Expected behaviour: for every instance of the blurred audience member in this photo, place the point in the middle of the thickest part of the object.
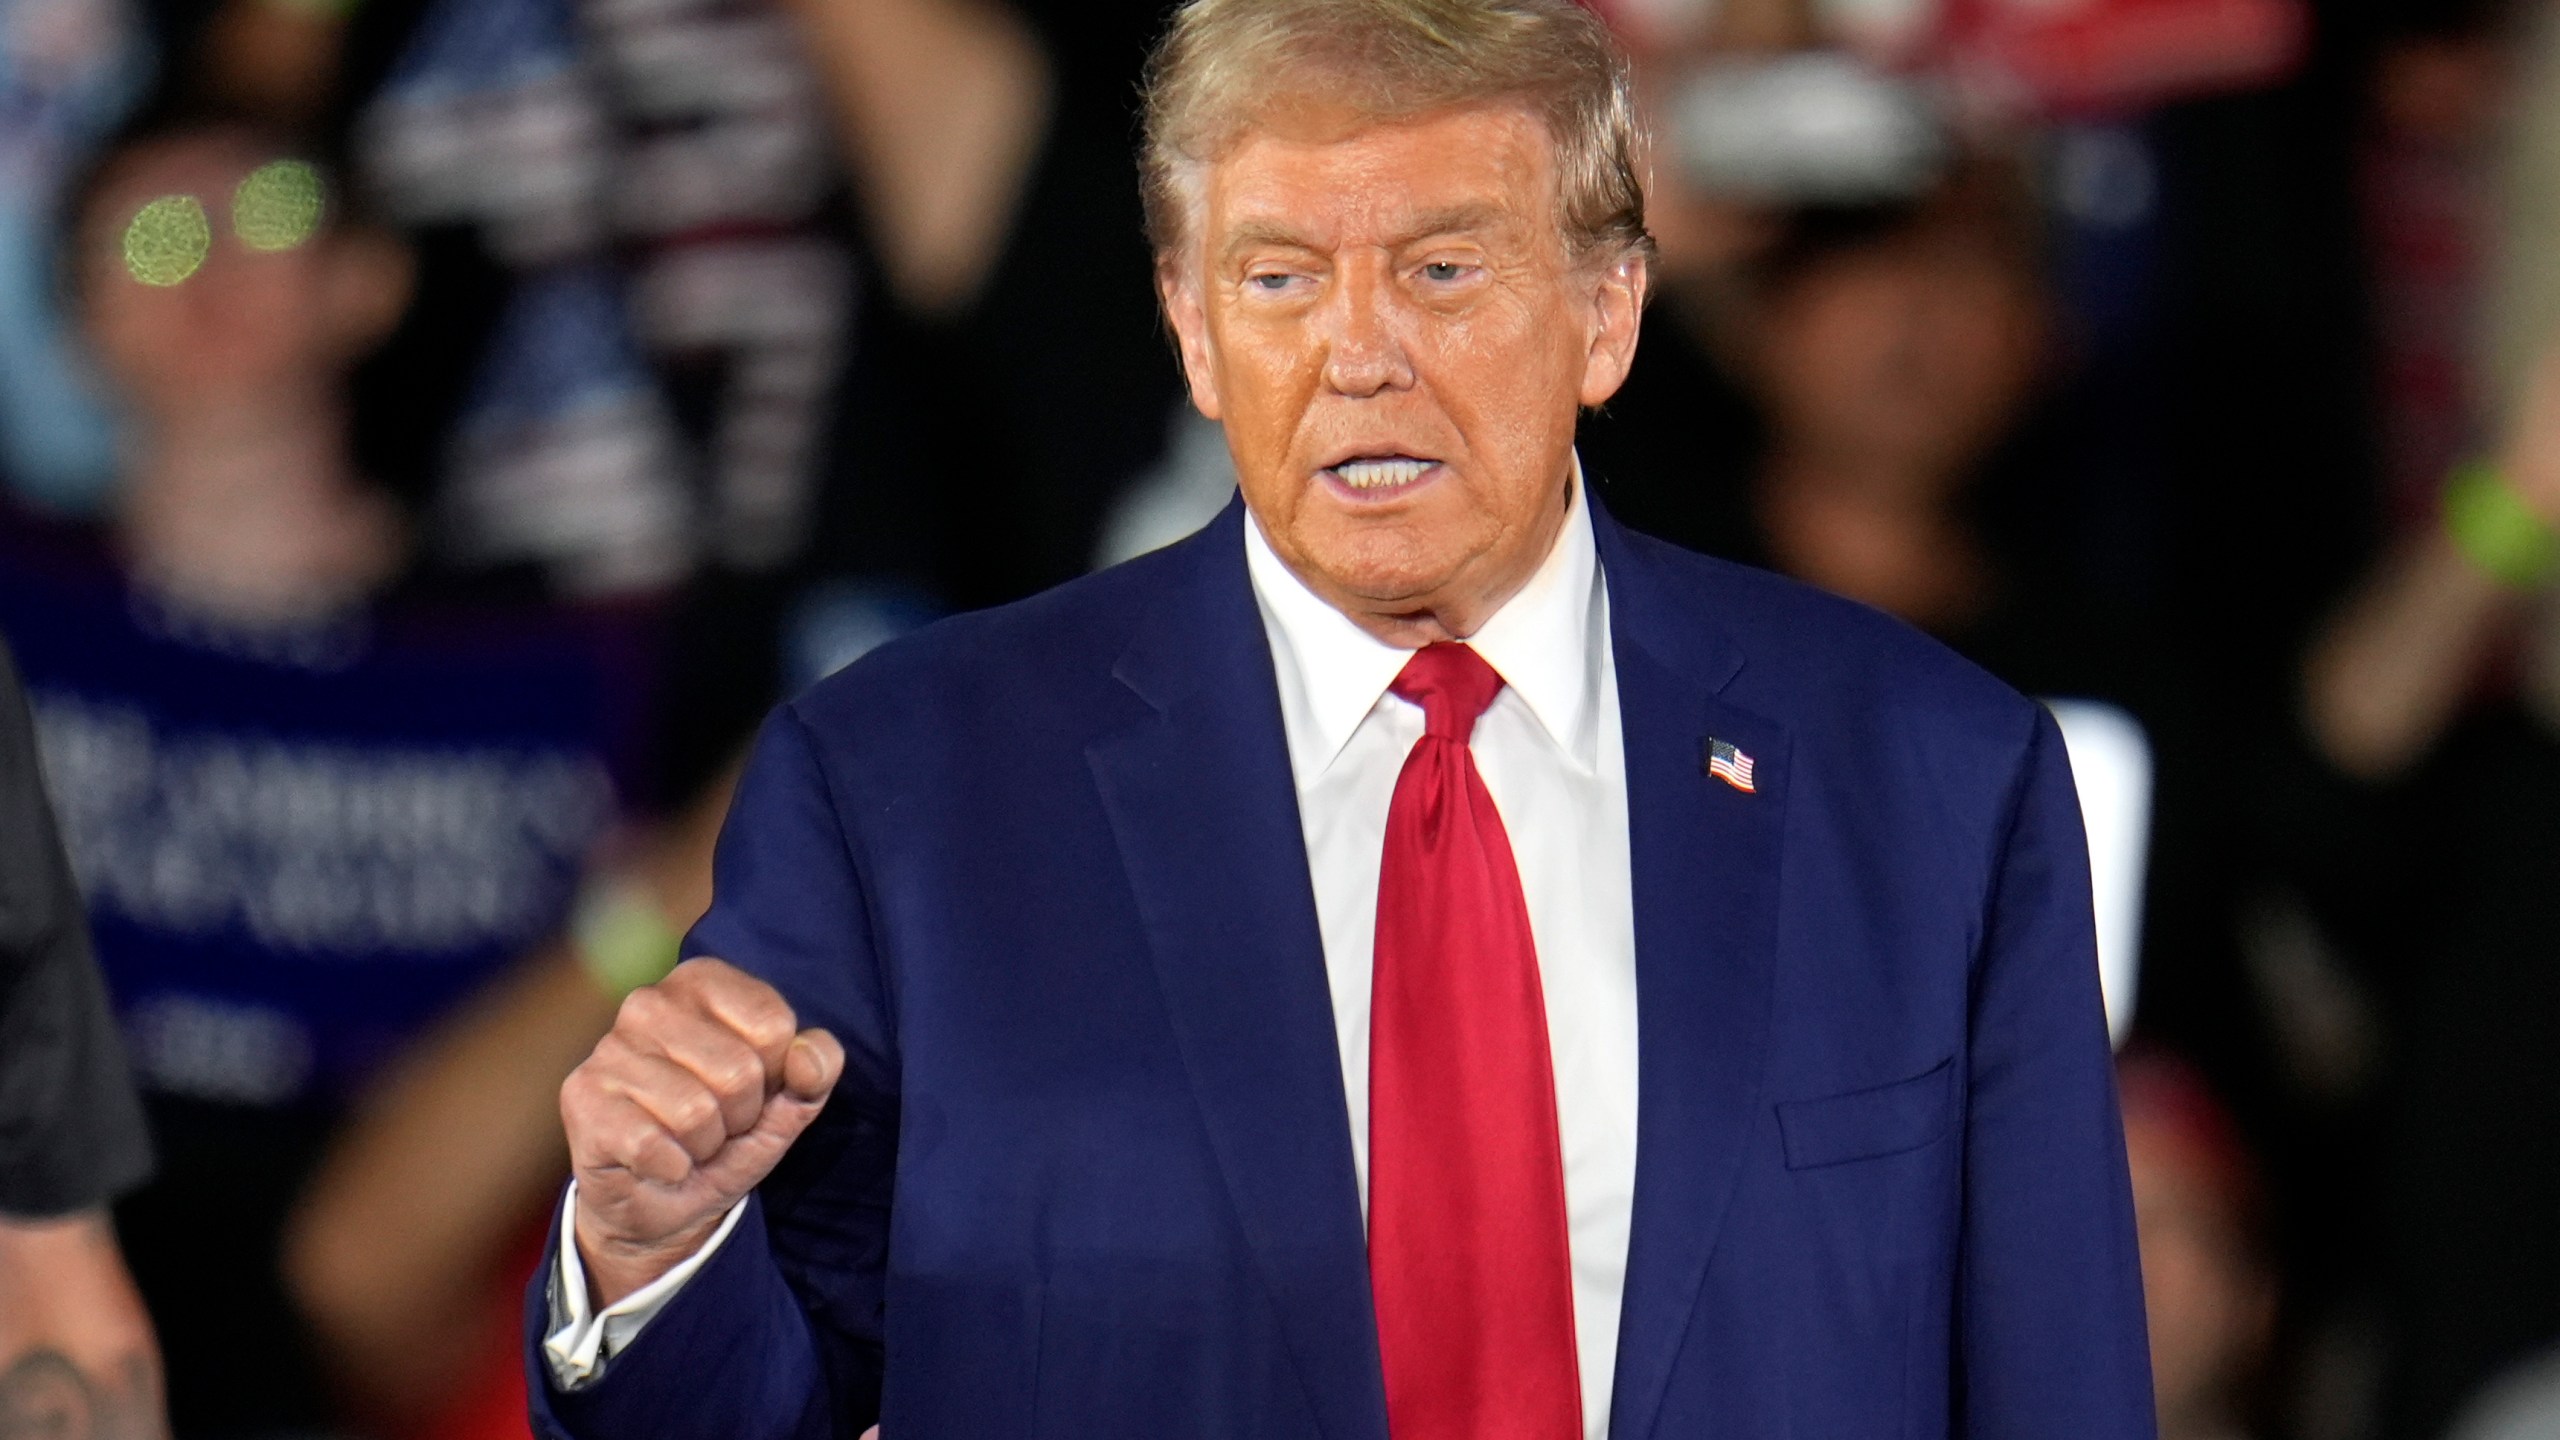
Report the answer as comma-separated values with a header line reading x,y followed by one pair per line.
x,y
639,321
2435,695
759,303
2206,1274
1022,382
68,69
318,799
1860,407
77,1360
2425,633
942,110
1892,359
626,205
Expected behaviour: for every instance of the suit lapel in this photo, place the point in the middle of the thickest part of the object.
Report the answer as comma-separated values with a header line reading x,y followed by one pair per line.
x,y
1205,812
1705,857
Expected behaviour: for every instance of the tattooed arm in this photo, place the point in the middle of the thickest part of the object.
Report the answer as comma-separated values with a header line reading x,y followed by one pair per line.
x,y
77,1358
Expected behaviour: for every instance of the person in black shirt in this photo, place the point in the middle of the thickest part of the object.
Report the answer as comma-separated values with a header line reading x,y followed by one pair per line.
x,y
77,1357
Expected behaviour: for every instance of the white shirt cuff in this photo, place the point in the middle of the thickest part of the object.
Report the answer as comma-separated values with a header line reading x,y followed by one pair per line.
x,y
581,1342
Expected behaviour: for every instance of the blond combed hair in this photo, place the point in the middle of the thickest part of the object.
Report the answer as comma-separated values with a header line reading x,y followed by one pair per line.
x,y
1221,61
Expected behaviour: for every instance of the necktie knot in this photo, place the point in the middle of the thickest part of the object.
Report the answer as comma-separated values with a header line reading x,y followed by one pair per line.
x,y
1452,684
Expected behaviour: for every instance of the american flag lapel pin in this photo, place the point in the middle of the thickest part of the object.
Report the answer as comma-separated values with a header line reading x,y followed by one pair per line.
x,y
1731,764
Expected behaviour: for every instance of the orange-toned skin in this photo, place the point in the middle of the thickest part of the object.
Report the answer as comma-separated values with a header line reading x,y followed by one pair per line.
x,y
1351,288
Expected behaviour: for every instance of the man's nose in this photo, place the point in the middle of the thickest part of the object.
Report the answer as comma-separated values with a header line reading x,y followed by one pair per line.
x,y
1365,354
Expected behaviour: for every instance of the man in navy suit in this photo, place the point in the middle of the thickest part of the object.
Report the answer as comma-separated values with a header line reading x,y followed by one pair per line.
x,y
1413,960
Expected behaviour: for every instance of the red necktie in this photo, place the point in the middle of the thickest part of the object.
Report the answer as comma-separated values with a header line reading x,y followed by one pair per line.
x,y
1467,1241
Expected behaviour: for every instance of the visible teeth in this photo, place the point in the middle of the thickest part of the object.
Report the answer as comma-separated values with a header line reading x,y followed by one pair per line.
x,y
1380,474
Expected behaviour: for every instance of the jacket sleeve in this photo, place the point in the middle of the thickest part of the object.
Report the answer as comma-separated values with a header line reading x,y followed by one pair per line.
x,y
71,1128
2051,1331
778,1336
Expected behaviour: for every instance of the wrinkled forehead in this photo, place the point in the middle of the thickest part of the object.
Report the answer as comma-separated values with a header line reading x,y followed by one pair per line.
x,y
1324,173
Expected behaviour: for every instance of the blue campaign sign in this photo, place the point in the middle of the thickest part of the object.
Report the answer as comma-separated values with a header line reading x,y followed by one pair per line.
x,y
300,847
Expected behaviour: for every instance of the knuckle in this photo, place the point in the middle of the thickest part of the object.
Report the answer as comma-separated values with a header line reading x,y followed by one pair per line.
x,y
702,972
646,1146
643,1010
614,1140
764,1009
578,1095
589,1090
773,1032
750,1006
622,1126
674,1155
662,1160
694,1110
778,1011
739,1074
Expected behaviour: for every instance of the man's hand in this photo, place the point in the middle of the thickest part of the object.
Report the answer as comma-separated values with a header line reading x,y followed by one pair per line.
x,y
690,1101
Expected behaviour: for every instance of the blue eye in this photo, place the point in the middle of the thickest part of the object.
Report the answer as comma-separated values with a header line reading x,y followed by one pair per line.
x,y
1267,282
1443,270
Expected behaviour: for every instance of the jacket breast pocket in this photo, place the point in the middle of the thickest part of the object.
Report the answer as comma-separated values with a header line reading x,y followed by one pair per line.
x,y
1868,1124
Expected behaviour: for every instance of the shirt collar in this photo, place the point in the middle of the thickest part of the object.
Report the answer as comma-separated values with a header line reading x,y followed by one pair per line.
x,y
1545,642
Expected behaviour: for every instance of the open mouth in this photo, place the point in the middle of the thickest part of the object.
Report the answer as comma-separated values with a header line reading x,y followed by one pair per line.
x,y
1372,475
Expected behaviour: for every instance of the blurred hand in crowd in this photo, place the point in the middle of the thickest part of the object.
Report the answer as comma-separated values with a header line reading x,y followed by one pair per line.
x,y
77,1359
2397,666
697,1093
942,106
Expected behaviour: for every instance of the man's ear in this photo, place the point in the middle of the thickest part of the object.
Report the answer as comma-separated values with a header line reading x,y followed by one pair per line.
x,y
1617,314
1188,314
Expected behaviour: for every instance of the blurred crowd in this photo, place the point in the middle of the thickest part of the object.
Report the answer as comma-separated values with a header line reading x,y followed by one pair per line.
x,y
432,432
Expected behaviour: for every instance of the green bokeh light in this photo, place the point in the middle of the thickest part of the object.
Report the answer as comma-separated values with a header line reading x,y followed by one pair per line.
x,y
168,240
278,206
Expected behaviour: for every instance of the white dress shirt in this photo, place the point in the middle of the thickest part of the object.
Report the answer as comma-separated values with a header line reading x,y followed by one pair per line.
x,y
1553,757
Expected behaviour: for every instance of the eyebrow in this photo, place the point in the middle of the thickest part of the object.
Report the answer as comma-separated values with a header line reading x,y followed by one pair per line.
x,y
1450,220
1255,234
1455,219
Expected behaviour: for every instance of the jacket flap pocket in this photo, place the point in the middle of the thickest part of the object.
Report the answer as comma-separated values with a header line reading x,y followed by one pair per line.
x,y
1864,1124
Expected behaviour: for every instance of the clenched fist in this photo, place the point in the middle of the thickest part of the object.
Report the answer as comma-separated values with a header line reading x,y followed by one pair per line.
x,y
703,1083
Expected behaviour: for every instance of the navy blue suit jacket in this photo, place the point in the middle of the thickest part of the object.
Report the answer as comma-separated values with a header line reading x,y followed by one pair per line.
x,y
1088,1173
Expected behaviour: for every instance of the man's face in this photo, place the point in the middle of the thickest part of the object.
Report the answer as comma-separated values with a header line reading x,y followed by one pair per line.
x,y
1384,317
